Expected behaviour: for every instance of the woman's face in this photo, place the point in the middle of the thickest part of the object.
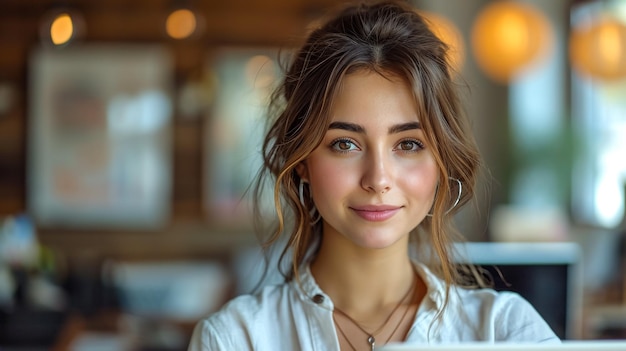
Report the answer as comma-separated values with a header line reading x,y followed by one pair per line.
x,y
373,177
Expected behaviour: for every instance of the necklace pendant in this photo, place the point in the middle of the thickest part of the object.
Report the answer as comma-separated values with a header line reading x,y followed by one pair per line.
x,y
371,340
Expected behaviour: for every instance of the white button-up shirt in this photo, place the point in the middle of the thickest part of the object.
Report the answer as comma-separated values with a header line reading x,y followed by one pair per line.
x,y
299,317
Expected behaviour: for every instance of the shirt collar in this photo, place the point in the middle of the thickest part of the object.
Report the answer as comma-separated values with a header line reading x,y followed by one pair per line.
x,y
310,291
436,288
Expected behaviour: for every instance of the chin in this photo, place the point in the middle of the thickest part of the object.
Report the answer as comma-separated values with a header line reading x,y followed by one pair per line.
x,y
379,241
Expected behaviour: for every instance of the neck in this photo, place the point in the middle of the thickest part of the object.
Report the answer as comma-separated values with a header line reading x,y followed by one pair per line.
x,y
363,281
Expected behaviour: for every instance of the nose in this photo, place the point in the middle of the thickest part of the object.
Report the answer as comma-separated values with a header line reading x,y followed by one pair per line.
x,y
377,175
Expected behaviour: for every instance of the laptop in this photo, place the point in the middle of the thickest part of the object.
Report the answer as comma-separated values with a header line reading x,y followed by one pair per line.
x,y
570,345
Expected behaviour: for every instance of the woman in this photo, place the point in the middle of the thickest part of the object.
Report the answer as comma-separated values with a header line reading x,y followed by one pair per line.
x,y
369,148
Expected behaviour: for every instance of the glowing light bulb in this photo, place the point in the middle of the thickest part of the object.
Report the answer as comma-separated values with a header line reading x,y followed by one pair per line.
x,y
598,49
180,24
62,29
508,37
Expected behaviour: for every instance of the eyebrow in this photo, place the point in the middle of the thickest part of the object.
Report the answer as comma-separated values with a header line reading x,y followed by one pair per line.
x,y
398,128
352,127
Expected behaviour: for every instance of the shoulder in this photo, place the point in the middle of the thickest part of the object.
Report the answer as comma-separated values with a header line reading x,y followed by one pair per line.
x,y
506,315
234,325
488,297
251,305
489,302
481,314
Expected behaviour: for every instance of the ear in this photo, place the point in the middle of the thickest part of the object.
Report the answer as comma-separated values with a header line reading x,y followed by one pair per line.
x,y
303,171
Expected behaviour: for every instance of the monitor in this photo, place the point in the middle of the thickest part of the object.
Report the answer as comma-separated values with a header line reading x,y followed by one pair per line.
x,y
548,275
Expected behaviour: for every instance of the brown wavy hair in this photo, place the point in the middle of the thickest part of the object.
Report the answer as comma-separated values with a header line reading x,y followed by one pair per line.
x,y
392,39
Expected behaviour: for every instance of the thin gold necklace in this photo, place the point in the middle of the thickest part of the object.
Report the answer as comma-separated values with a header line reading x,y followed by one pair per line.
x,y
344,335
372,346
370,336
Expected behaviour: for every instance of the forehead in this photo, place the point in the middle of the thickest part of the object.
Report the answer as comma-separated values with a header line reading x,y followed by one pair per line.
x,y
372,96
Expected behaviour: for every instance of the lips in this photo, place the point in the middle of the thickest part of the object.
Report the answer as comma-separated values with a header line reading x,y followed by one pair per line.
x,y
376,213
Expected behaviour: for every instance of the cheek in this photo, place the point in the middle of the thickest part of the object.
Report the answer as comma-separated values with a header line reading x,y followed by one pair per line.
x,y
330,177
421,179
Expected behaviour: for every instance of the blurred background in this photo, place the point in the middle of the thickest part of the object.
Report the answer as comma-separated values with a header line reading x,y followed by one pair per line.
x,y
129,132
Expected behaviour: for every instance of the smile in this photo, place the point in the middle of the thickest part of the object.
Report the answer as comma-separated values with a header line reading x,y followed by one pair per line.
x,y
376,213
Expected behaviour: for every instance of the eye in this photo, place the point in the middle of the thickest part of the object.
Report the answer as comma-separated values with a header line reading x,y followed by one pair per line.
x,y
343,145
410,145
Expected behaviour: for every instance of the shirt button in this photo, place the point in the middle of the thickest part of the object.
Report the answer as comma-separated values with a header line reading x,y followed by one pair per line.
x,y
318,299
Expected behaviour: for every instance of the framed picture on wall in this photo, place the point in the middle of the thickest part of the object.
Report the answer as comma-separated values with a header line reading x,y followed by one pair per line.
x,y
99,137
244,80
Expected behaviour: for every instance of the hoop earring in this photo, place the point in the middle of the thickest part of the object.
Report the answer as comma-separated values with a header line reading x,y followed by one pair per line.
x,y
313,213
458,197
